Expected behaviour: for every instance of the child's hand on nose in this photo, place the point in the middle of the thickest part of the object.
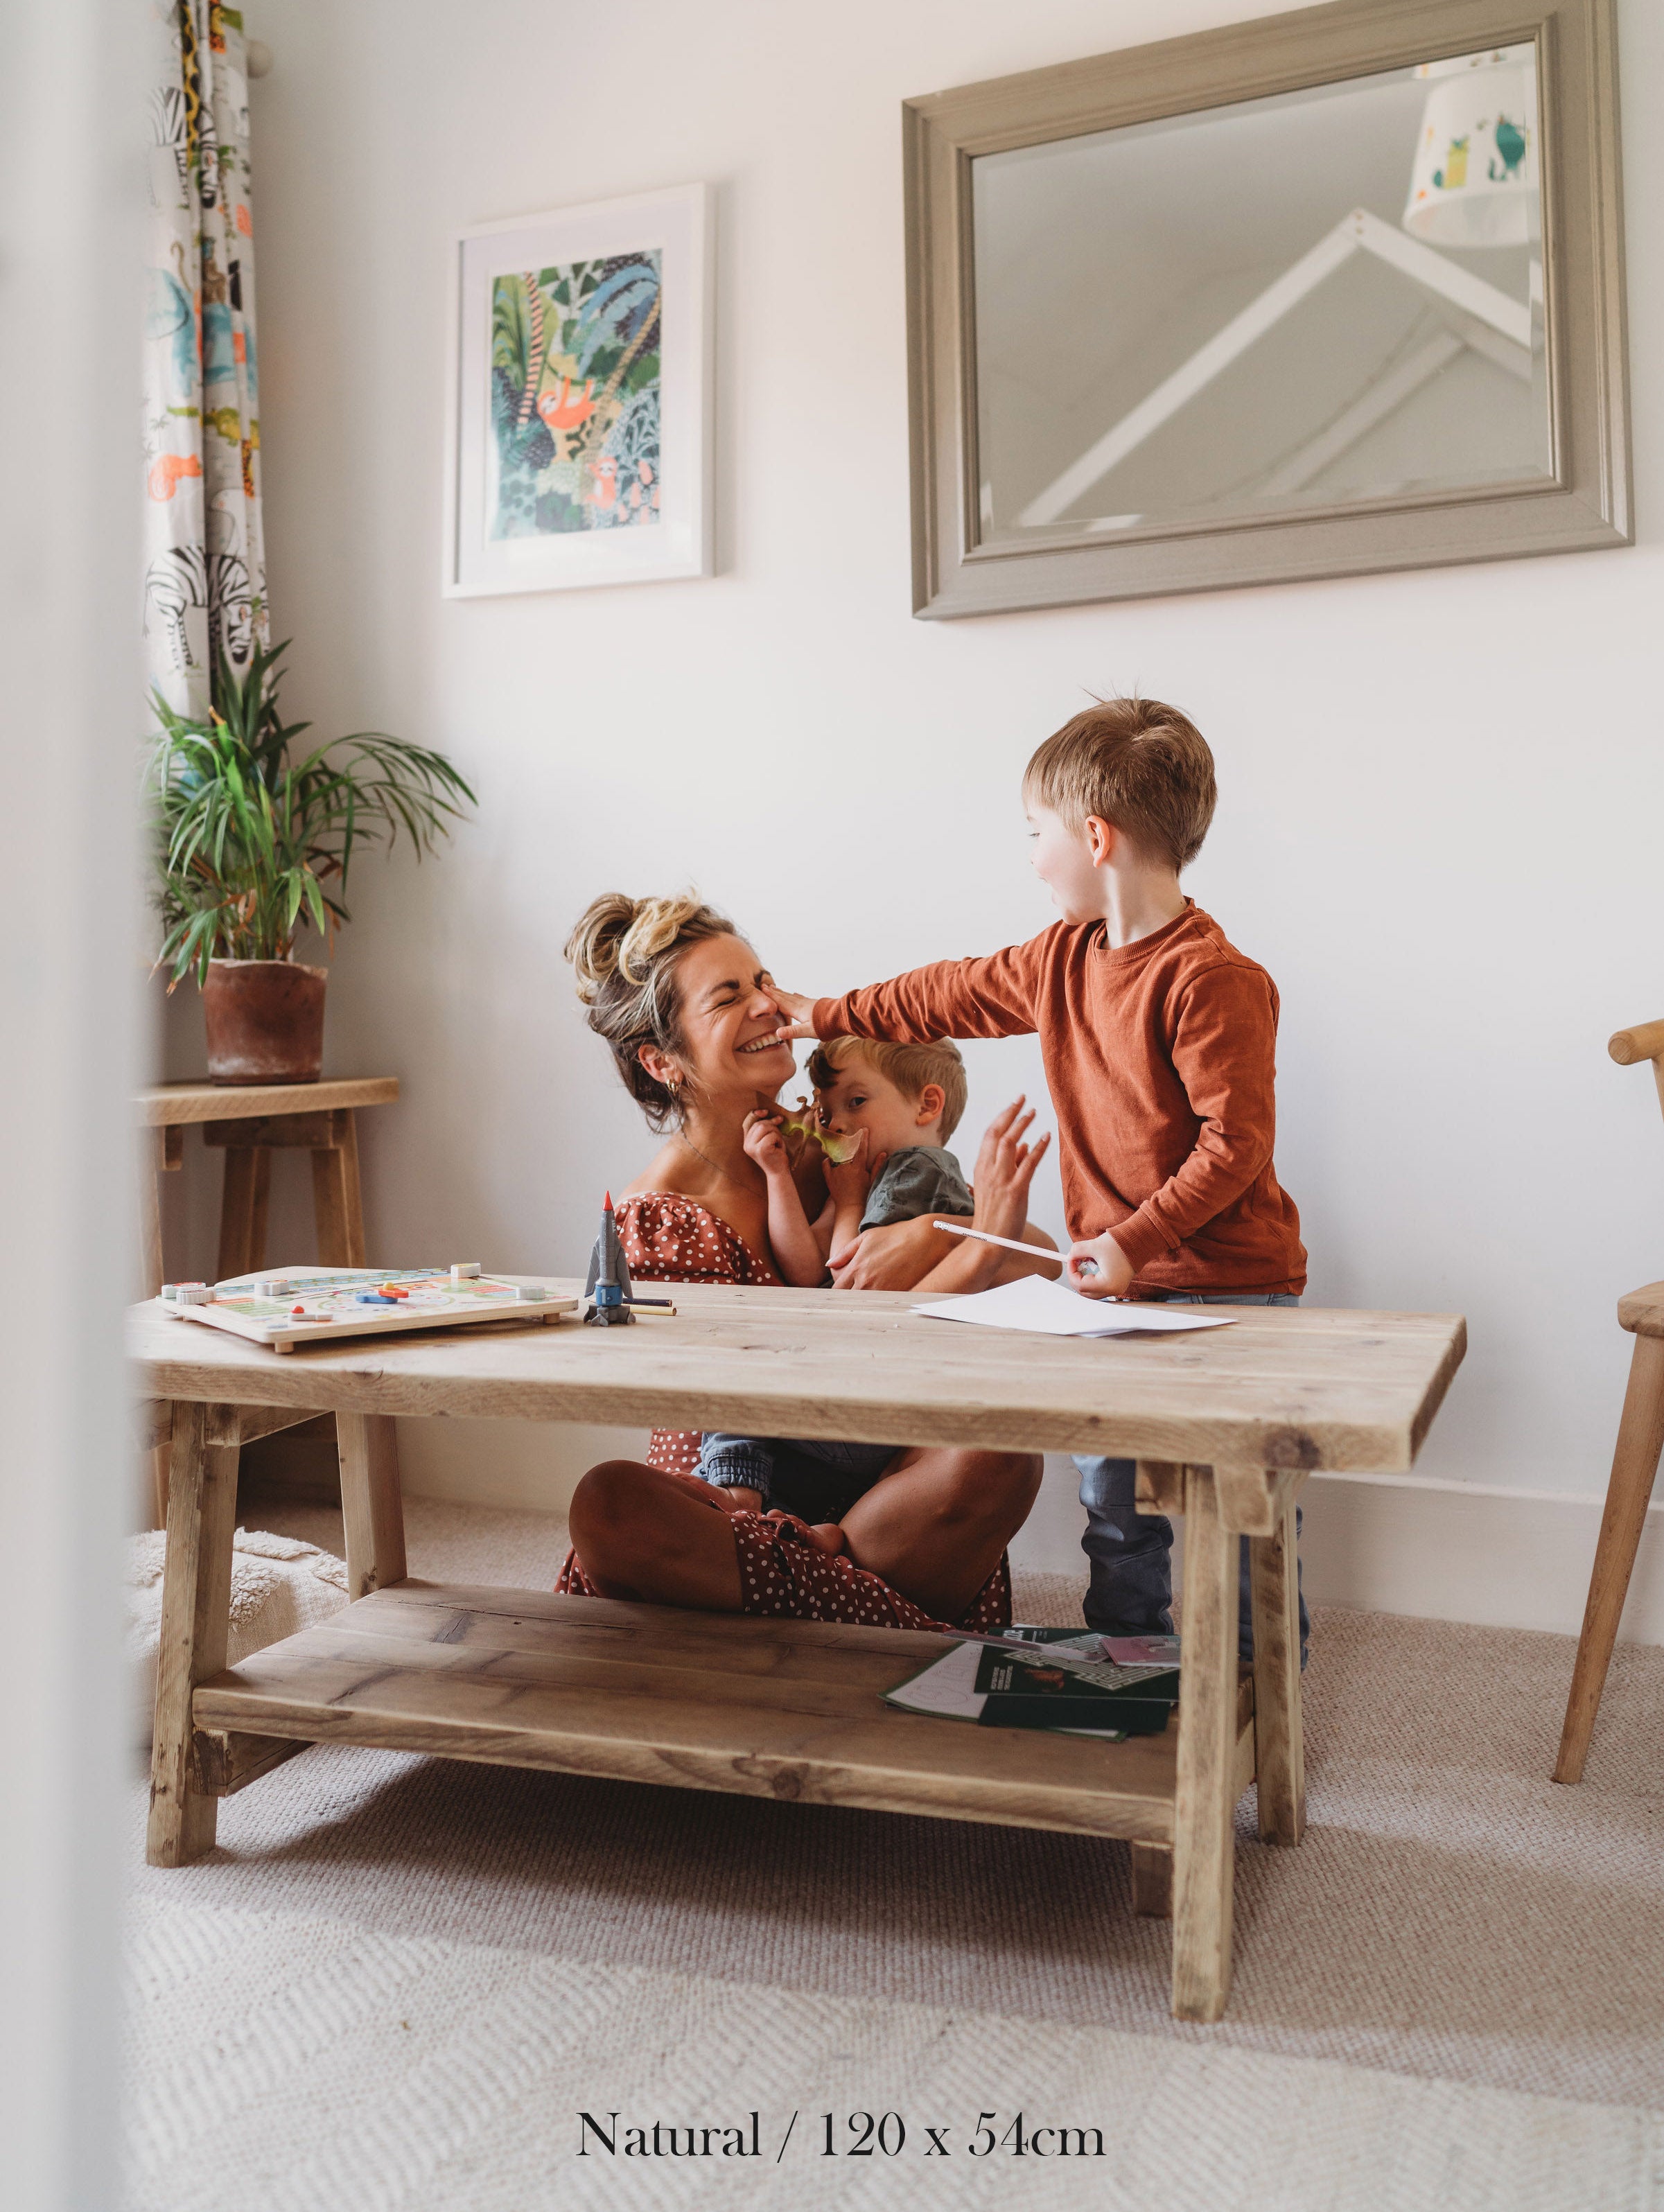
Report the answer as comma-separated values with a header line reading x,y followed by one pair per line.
x,y
798,1014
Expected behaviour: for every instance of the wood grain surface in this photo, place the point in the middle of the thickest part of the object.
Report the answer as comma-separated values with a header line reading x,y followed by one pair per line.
x,y
1208,1776
785,1709
1629,1493
195,1621
1281,1389
166,1104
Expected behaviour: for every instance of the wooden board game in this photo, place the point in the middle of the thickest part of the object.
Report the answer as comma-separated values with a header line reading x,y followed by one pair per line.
x,y
282,1307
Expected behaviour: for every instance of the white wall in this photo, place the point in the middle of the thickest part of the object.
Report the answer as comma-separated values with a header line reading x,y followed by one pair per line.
x,y
1441,791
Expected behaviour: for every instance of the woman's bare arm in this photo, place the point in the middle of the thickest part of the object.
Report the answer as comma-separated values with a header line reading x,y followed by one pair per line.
x,y
796,1249
913,1256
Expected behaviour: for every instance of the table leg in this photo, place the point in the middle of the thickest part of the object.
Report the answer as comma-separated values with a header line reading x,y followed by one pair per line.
x,y
338,1200
372,1505
243,1209
195,1620
1152,1880
1204,1831
1634,1467
1278,1733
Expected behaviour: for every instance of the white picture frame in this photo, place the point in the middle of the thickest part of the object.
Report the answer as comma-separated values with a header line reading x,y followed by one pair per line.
x,y
565,488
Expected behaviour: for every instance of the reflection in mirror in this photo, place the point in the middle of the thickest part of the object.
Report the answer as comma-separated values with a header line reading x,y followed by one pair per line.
x,y
1309,302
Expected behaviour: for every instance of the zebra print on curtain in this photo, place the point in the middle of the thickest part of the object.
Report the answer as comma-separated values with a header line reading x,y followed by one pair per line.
x,y
205,555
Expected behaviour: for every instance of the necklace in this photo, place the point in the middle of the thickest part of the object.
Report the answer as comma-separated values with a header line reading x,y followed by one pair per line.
x,y
724,1172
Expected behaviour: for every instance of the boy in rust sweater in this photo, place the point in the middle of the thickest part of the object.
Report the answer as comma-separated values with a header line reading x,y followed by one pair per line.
x,y
1159,1040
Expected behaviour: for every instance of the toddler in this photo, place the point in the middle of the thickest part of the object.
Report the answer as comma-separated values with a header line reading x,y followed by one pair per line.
x,y
887,1110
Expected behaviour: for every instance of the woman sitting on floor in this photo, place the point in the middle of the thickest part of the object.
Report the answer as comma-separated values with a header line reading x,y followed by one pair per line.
x,y
686,1007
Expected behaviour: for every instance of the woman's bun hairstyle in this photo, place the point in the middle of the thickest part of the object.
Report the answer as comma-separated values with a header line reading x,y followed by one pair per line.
x,y
624,953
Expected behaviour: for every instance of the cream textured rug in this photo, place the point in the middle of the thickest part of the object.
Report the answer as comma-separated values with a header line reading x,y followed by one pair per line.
x,y
1447,1996
279,1585
288,2066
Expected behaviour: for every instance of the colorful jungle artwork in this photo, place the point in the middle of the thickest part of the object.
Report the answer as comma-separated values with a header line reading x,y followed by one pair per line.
x,y
574,396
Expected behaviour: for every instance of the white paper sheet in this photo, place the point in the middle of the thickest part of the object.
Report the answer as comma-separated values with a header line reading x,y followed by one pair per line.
x,y
1048,1309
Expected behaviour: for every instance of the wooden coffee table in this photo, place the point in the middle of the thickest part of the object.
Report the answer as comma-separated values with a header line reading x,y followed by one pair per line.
x,y
1226,1425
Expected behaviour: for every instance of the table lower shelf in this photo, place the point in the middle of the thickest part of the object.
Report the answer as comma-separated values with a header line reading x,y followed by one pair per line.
x,y
783,1709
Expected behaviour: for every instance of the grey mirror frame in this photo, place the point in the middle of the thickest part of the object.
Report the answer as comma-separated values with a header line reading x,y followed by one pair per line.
x,y
1585,503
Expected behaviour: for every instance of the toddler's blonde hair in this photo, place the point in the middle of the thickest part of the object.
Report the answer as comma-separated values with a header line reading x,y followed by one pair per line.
x,y
908,1067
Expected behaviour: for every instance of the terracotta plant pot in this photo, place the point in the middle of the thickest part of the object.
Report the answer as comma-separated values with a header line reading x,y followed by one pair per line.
x,y
265,1021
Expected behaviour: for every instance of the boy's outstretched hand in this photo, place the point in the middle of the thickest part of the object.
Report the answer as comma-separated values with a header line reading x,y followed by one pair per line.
x,y
1109,1274
798,1010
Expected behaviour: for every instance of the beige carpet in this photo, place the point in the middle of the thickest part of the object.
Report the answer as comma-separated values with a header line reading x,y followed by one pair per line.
x,y
284,2066
1456,1942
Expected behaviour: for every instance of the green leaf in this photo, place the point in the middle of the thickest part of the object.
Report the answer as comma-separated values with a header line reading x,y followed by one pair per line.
x,y
245,829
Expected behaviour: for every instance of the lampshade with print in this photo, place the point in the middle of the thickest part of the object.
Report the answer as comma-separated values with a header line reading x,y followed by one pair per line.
x,y
1475,182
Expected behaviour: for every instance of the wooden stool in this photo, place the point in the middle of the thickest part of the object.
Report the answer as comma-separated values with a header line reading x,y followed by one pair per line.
x,y
1634,1467
250,1121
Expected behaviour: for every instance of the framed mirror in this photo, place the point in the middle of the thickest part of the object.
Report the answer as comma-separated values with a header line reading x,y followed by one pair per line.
x,y
1335,291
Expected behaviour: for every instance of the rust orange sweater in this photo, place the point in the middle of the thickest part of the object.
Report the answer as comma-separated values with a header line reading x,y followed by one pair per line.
x,y
1161,1059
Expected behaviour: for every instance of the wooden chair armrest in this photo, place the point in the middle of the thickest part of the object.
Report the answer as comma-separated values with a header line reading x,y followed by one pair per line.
x,y
1644,1042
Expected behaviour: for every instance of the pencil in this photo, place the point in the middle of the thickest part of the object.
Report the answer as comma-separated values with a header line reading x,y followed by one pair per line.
x,y
1007,1243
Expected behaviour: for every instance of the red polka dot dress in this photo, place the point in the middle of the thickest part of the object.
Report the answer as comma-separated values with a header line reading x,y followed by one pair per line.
x,y
668,1239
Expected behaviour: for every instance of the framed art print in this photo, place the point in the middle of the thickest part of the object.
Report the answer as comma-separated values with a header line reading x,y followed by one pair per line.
x,y
580,410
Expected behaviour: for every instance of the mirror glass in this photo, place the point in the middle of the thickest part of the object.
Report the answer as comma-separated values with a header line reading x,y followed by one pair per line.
x,y
1289,304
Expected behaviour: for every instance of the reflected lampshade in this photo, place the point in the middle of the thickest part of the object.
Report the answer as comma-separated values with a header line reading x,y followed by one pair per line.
x,y
1475,181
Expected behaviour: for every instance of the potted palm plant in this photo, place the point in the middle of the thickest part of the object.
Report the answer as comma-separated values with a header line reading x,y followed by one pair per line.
x,y
252,846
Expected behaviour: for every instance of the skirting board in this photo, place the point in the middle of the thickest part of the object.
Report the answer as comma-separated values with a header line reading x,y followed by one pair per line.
x,y
1437,1551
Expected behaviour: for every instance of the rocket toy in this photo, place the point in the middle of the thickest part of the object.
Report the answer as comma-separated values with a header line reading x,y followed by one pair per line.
x,y
609,1290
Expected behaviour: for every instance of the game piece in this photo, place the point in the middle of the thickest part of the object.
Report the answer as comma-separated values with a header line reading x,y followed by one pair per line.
x,y
463,1270
608,1289
192,1294
308,1304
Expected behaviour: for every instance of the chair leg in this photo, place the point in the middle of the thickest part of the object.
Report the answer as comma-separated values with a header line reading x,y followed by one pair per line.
x,y
1634,1466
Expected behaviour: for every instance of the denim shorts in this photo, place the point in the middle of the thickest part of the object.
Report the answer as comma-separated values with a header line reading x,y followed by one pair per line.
x,y
817,1478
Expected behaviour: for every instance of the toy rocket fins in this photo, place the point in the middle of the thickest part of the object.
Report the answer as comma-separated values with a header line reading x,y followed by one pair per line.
x,y
609,1289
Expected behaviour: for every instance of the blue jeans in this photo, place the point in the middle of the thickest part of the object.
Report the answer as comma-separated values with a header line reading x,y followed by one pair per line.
x,y
1130,1552
817,1480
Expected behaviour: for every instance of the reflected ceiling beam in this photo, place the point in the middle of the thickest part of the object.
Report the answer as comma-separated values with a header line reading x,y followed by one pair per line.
x,y
1490,308
1373,405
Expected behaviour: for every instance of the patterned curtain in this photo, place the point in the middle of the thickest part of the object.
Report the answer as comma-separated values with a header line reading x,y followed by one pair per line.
x,y
205,555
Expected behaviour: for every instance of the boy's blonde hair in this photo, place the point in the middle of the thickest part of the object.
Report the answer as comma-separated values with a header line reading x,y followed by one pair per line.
x,y
1141,765
908,1067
